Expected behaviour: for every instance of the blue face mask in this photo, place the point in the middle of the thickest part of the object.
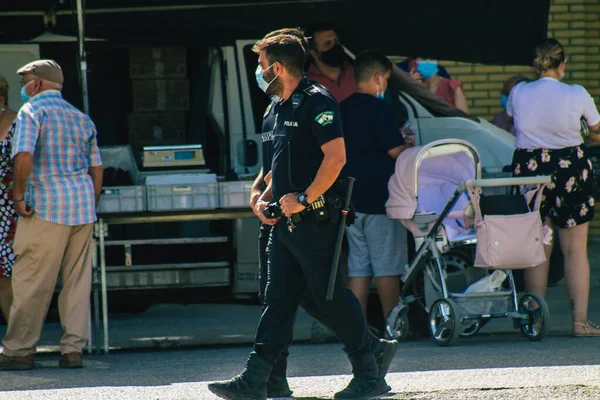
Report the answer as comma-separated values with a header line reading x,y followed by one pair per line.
x,y
260,80
24,96
504,101
427,69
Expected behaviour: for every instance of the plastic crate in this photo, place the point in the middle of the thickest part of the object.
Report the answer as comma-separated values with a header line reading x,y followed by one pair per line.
x,y
177,178
119,199
198,196
235,194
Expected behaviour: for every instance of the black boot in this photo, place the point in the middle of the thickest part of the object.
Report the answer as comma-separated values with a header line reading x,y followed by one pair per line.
x,y
251,384
384,354
366,383
277,385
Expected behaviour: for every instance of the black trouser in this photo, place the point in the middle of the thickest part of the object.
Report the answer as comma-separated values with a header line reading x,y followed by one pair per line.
x,y
280,366
306,301
300,263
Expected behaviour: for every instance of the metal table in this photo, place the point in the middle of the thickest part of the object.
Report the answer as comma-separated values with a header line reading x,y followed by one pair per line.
x,y
101,228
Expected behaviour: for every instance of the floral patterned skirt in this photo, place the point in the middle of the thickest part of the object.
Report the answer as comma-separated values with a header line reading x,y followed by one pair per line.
x,y
568,199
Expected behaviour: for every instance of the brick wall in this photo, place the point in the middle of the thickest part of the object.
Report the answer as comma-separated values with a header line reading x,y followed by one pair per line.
x,y
575,23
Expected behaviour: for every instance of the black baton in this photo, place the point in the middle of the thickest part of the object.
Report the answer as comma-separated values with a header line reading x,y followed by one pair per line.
x,y
340,237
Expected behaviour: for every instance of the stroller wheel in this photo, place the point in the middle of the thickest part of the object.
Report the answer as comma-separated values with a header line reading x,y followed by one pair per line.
x,y
444,322
536,321
396,323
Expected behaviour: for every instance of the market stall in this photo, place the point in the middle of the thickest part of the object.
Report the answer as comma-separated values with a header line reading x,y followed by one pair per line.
x,y
171,102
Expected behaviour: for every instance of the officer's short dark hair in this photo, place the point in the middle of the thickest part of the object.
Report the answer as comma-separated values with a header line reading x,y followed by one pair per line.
x,y
369,62
317,27
297,32
285,49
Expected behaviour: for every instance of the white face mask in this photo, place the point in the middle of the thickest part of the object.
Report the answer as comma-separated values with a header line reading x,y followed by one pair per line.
x,y
260,80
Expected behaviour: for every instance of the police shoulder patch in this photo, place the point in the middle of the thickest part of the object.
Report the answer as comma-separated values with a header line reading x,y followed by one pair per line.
x,y
267,110
325,118
313,89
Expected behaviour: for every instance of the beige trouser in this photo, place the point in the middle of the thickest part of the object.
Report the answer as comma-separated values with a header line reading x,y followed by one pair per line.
x,y
44,250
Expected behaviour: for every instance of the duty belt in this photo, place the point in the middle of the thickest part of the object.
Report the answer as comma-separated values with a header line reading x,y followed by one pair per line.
x,y
317,204
322,209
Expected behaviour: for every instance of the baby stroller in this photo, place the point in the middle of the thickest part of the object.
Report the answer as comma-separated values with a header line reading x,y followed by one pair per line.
x,y
428,195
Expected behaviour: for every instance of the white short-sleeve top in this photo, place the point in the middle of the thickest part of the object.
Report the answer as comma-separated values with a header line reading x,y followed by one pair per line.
x,y
547,113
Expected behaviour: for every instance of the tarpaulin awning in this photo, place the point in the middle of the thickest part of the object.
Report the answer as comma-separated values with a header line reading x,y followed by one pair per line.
x,y
483,31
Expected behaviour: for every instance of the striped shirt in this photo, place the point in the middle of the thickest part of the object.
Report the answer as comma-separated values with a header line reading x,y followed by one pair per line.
x,y
63,143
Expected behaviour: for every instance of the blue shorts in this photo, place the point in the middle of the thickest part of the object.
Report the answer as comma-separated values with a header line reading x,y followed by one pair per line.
x,y
377,246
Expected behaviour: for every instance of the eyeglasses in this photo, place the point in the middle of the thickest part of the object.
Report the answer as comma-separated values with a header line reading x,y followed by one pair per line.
x,y
24,82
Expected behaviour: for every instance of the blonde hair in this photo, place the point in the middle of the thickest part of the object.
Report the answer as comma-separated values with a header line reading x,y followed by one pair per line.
x,y
4,90
549,54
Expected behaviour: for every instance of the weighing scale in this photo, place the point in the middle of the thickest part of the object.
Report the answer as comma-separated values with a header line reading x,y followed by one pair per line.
x,y
173,156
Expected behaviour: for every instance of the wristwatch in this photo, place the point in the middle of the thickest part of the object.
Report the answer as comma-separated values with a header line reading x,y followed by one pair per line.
x,y
303,199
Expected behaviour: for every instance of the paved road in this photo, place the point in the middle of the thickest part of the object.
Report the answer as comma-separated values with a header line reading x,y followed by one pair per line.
x,y
498,366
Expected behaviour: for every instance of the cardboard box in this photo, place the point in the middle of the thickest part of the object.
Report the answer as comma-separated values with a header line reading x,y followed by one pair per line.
x,y
157,63
153,129
161,95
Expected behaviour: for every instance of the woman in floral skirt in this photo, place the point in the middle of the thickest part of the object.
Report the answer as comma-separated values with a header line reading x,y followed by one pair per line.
x,y
7,212
547,116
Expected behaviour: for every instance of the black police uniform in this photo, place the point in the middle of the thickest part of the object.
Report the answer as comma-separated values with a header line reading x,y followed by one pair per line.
x,y
268,126
279,371
300,260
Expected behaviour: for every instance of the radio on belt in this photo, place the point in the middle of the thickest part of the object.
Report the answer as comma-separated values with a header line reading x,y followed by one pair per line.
x,y
171,156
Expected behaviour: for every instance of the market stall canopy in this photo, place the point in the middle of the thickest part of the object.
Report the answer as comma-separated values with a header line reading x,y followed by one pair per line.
x,y
484,31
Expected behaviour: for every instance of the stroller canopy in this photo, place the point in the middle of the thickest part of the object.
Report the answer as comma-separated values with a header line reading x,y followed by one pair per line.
x,y
439,165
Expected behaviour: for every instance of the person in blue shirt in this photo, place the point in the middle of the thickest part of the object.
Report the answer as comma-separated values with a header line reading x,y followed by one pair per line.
x,y
377,245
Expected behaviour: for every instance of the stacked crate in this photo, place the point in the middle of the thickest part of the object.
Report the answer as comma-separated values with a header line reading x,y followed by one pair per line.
x,y
161,96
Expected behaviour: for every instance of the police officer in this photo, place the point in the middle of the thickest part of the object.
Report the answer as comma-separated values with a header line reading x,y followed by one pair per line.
x,y
308,157
277,385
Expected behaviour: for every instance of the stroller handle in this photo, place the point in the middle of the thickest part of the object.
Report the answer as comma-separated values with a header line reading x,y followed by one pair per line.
x,y
530,180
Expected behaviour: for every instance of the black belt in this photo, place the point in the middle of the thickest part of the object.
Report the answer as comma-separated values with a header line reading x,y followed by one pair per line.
x,y
322,208
315,205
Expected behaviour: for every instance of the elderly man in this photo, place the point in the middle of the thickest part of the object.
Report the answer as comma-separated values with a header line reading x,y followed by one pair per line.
x,y
57,183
